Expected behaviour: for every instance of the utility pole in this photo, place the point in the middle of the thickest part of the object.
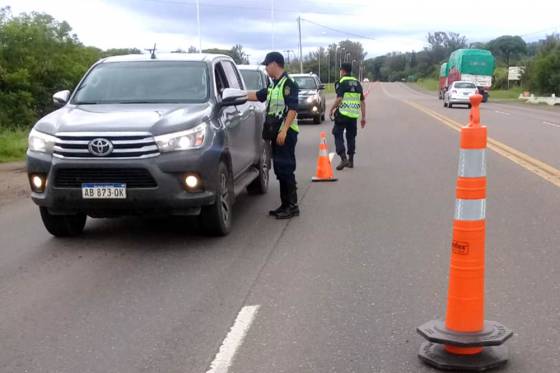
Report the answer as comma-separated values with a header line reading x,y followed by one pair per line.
x,y
300,49
272,18
198,25
288,53
329,66
319,64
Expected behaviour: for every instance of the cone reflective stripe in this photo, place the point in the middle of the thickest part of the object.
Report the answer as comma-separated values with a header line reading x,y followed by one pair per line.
x,y
324,168
472,163
465,341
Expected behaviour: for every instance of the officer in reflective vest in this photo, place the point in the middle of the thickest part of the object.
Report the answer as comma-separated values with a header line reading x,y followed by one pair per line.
x,y
282,100
346,110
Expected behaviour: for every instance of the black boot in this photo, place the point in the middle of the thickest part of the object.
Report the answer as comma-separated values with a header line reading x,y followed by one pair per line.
x,y
283,199
350,160
343,162
292,209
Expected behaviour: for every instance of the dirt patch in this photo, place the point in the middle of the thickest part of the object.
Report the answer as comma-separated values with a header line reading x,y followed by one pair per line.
x,y
13,182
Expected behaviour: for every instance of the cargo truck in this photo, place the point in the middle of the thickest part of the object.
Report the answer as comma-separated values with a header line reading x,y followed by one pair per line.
x,y
472,65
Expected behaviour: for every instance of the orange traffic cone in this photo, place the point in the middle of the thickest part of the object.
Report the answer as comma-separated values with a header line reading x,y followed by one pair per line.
x,y
465,341
324,168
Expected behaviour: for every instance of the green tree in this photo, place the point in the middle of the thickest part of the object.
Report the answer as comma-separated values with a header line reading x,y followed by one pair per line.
x,y
508,48
38,56
543,72
236,52
120,52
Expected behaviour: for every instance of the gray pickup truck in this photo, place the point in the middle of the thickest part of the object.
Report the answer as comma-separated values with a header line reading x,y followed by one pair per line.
x,y
148,135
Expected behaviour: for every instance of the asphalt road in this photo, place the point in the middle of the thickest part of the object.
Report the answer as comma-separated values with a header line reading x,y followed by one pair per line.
x,y
342,288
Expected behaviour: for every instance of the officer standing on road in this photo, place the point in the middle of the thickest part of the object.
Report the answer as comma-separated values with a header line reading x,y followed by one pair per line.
x,y
281,129
346,110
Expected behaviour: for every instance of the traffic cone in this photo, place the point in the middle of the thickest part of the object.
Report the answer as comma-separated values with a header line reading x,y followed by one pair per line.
x,y
324,168
465,341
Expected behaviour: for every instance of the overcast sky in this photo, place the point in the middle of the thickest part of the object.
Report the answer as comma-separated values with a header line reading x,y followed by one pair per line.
x,y
385,26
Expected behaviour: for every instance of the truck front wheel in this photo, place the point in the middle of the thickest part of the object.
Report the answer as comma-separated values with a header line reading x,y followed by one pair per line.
x,y
216,218
63,225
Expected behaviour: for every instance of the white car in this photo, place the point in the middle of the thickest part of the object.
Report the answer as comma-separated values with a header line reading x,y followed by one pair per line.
x,y
459,93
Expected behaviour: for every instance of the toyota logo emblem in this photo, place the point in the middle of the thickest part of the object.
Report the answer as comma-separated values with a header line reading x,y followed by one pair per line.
x,y
100,147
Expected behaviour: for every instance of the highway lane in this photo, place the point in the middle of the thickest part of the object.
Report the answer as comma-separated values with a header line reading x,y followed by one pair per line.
x,y
533,131
339,289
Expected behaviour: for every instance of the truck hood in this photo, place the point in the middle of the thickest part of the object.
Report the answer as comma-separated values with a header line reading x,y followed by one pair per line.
x,y
154,118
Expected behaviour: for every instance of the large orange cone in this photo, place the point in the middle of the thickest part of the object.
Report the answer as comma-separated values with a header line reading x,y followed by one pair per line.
x,y
324,167
465,341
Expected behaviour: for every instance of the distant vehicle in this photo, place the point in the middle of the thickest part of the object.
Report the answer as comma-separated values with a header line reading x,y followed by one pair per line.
x,y
312,102
165,135
472,65
255,76
459,93
442,80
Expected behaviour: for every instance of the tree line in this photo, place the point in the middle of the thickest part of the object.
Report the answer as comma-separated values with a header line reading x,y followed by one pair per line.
x,y
40,56
541,60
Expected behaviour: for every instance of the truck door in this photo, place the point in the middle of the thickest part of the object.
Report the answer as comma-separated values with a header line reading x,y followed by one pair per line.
x,y
238,121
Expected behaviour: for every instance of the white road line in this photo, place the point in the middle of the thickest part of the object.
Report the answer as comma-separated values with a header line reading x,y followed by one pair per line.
x,y
551,124
502,112
224,358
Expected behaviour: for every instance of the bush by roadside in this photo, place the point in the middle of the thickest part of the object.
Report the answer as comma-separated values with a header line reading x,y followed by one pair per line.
x,y
13,144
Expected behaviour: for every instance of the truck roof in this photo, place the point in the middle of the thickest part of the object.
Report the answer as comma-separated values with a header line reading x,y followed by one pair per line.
x,y
472,61
191,57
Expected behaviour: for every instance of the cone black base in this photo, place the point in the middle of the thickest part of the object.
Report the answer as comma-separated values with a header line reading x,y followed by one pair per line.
x,y
493,334
317,180
435,355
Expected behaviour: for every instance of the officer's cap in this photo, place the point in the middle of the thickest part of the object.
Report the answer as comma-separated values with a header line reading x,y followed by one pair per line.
x,y
274,57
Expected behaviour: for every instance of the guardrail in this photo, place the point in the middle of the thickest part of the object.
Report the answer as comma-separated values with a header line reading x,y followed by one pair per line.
x,y
552,100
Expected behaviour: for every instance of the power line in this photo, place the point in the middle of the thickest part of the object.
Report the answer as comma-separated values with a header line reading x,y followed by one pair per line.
x,y
339,31
245,7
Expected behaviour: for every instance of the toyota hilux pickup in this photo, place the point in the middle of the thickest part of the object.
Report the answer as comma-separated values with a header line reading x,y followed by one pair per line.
x,y
148,135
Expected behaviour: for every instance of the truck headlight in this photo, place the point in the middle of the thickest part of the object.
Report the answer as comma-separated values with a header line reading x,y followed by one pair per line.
x,y
184,140
312,99
41,142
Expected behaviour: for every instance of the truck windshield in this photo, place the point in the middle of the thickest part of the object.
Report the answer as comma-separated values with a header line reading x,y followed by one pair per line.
x,y
252,79
144,82
305,82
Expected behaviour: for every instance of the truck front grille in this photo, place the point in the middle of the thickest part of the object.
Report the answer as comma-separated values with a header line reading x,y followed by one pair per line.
x,y
125,145
75,177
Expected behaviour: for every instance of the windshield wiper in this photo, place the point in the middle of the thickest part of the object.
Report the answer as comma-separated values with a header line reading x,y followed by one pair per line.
x,y
86,103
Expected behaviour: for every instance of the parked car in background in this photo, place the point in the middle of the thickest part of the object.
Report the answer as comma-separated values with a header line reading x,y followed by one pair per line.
x,y
163,135
312,102
459,93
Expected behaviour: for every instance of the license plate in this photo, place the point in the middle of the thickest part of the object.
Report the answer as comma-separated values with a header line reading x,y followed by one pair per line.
x,y
466,93
104,191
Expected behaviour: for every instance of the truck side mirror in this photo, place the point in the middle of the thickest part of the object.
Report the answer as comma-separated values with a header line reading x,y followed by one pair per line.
x,y
233,97
61,98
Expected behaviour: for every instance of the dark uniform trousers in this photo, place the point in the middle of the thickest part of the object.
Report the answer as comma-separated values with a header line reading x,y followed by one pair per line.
x,y
284,162
349,125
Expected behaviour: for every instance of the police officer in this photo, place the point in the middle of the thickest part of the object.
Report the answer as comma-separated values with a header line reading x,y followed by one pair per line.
x,y
346,110
282,99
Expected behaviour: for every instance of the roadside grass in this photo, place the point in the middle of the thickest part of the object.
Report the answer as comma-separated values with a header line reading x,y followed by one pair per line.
x,y
511,94
428,84
13,145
